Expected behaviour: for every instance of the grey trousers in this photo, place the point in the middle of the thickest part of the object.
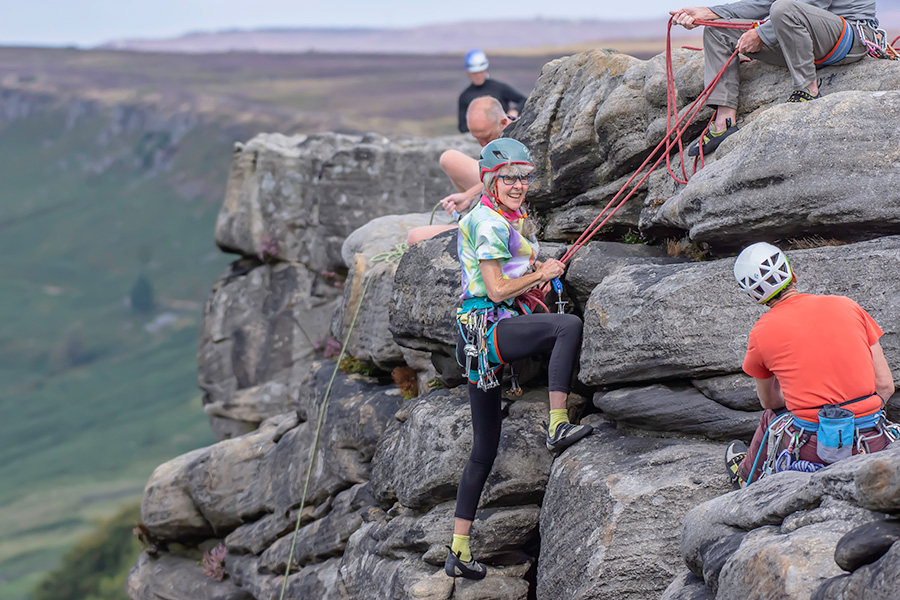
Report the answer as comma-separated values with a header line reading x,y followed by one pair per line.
x,y
805,34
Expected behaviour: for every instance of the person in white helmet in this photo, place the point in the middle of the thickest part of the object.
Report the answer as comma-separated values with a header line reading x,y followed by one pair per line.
x,y
482,85
812,356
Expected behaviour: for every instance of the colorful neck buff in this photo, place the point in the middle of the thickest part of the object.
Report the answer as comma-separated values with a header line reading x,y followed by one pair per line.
x,y
509,216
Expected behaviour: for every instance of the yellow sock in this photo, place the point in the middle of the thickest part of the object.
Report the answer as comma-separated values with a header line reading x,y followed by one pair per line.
x,y
557,416
461,547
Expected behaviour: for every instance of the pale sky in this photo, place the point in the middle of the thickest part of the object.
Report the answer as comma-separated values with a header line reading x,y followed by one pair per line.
x,y
90,22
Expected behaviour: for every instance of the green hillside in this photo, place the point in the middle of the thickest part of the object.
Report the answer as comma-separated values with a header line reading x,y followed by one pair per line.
x,y
94,399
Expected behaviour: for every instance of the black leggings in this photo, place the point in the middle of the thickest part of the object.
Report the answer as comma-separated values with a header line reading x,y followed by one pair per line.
x,y
517,338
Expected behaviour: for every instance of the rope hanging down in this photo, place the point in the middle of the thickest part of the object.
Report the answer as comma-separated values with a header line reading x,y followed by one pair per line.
x,y
674,132
392,255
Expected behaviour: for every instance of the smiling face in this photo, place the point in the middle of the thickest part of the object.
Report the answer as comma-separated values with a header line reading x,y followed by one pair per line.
x,y
511,196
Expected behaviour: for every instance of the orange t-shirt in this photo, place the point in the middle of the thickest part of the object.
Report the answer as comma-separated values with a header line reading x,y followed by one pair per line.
x,y
818,348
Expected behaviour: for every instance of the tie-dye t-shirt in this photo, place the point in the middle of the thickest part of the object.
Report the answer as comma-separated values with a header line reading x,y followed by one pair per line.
x,y
485,234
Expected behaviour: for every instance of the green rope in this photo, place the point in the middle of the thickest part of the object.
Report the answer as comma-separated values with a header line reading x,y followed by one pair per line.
x,y
391,256
433,210
321,419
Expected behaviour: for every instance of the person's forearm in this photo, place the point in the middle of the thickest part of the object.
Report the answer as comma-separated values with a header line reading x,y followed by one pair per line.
x,y
474,192
504,289
769,392
884,380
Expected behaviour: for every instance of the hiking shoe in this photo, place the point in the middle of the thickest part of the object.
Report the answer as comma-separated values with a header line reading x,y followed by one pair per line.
x,y
711,140
566,435
803,96
734,454
455,567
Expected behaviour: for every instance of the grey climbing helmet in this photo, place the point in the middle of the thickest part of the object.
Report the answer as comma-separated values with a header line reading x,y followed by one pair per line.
x,y
505,151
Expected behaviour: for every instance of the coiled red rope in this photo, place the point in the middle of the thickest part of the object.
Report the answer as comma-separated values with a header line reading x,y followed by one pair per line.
x,y
675,128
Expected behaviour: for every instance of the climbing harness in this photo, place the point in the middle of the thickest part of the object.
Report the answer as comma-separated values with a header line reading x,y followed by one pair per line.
x,y
784,456
842,47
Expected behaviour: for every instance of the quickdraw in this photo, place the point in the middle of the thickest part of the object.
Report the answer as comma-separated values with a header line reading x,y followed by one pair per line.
x,y
879,47
475,335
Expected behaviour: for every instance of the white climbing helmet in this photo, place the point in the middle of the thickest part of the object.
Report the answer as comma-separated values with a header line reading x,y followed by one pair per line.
x,y
762,270
476,61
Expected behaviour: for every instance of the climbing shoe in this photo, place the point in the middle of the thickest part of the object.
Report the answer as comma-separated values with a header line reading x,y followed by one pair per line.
x,y
803,96
565,435
734,455
455,567
712,139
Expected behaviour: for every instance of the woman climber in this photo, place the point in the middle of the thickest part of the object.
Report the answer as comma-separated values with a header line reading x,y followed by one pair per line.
x,y
497,250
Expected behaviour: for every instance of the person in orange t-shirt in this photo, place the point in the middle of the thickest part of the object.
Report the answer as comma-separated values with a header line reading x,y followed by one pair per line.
x,y
806,352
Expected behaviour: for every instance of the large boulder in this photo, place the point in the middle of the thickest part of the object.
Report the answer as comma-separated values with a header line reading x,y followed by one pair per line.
x,y
167,508
297,198
593,117
371,254
260,329
387,555
358,413
173,576
595,260
612,501
321,580
646,322
679,409
426,294
777,538
841,179
226,487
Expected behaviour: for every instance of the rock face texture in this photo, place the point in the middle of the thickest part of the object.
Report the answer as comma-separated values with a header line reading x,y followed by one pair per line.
x,y
846,189
297,198
777,538
641,508
652,322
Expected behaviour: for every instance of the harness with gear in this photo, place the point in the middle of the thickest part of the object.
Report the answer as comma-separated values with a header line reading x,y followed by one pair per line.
x,y
477,320
787,434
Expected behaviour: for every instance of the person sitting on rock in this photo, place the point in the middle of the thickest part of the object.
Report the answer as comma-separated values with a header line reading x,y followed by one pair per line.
x,y
486,120
511,101
497,251
807,352
798,34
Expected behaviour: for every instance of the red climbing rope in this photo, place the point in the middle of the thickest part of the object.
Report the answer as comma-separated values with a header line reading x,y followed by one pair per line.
x,y
674,133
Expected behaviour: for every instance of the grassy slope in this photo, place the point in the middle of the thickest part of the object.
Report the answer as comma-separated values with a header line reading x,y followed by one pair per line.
x,y
93,402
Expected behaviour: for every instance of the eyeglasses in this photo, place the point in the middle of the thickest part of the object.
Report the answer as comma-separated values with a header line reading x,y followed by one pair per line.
x,y
512,179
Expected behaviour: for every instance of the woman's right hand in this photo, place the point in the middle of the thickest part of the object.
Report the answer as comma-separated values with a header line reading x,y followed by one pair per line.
x,y
551,269
457,202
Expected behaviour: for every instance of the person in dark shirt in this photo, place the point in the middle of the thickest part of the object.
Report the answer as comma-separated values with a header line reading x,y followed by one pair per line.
x,y
483,85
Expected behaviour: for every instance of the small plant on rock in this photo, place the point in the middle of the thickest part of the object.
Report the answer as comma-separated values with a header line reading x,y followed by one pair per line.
x,y
633,237
268,247
350,365
213,563
329,347
407,381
